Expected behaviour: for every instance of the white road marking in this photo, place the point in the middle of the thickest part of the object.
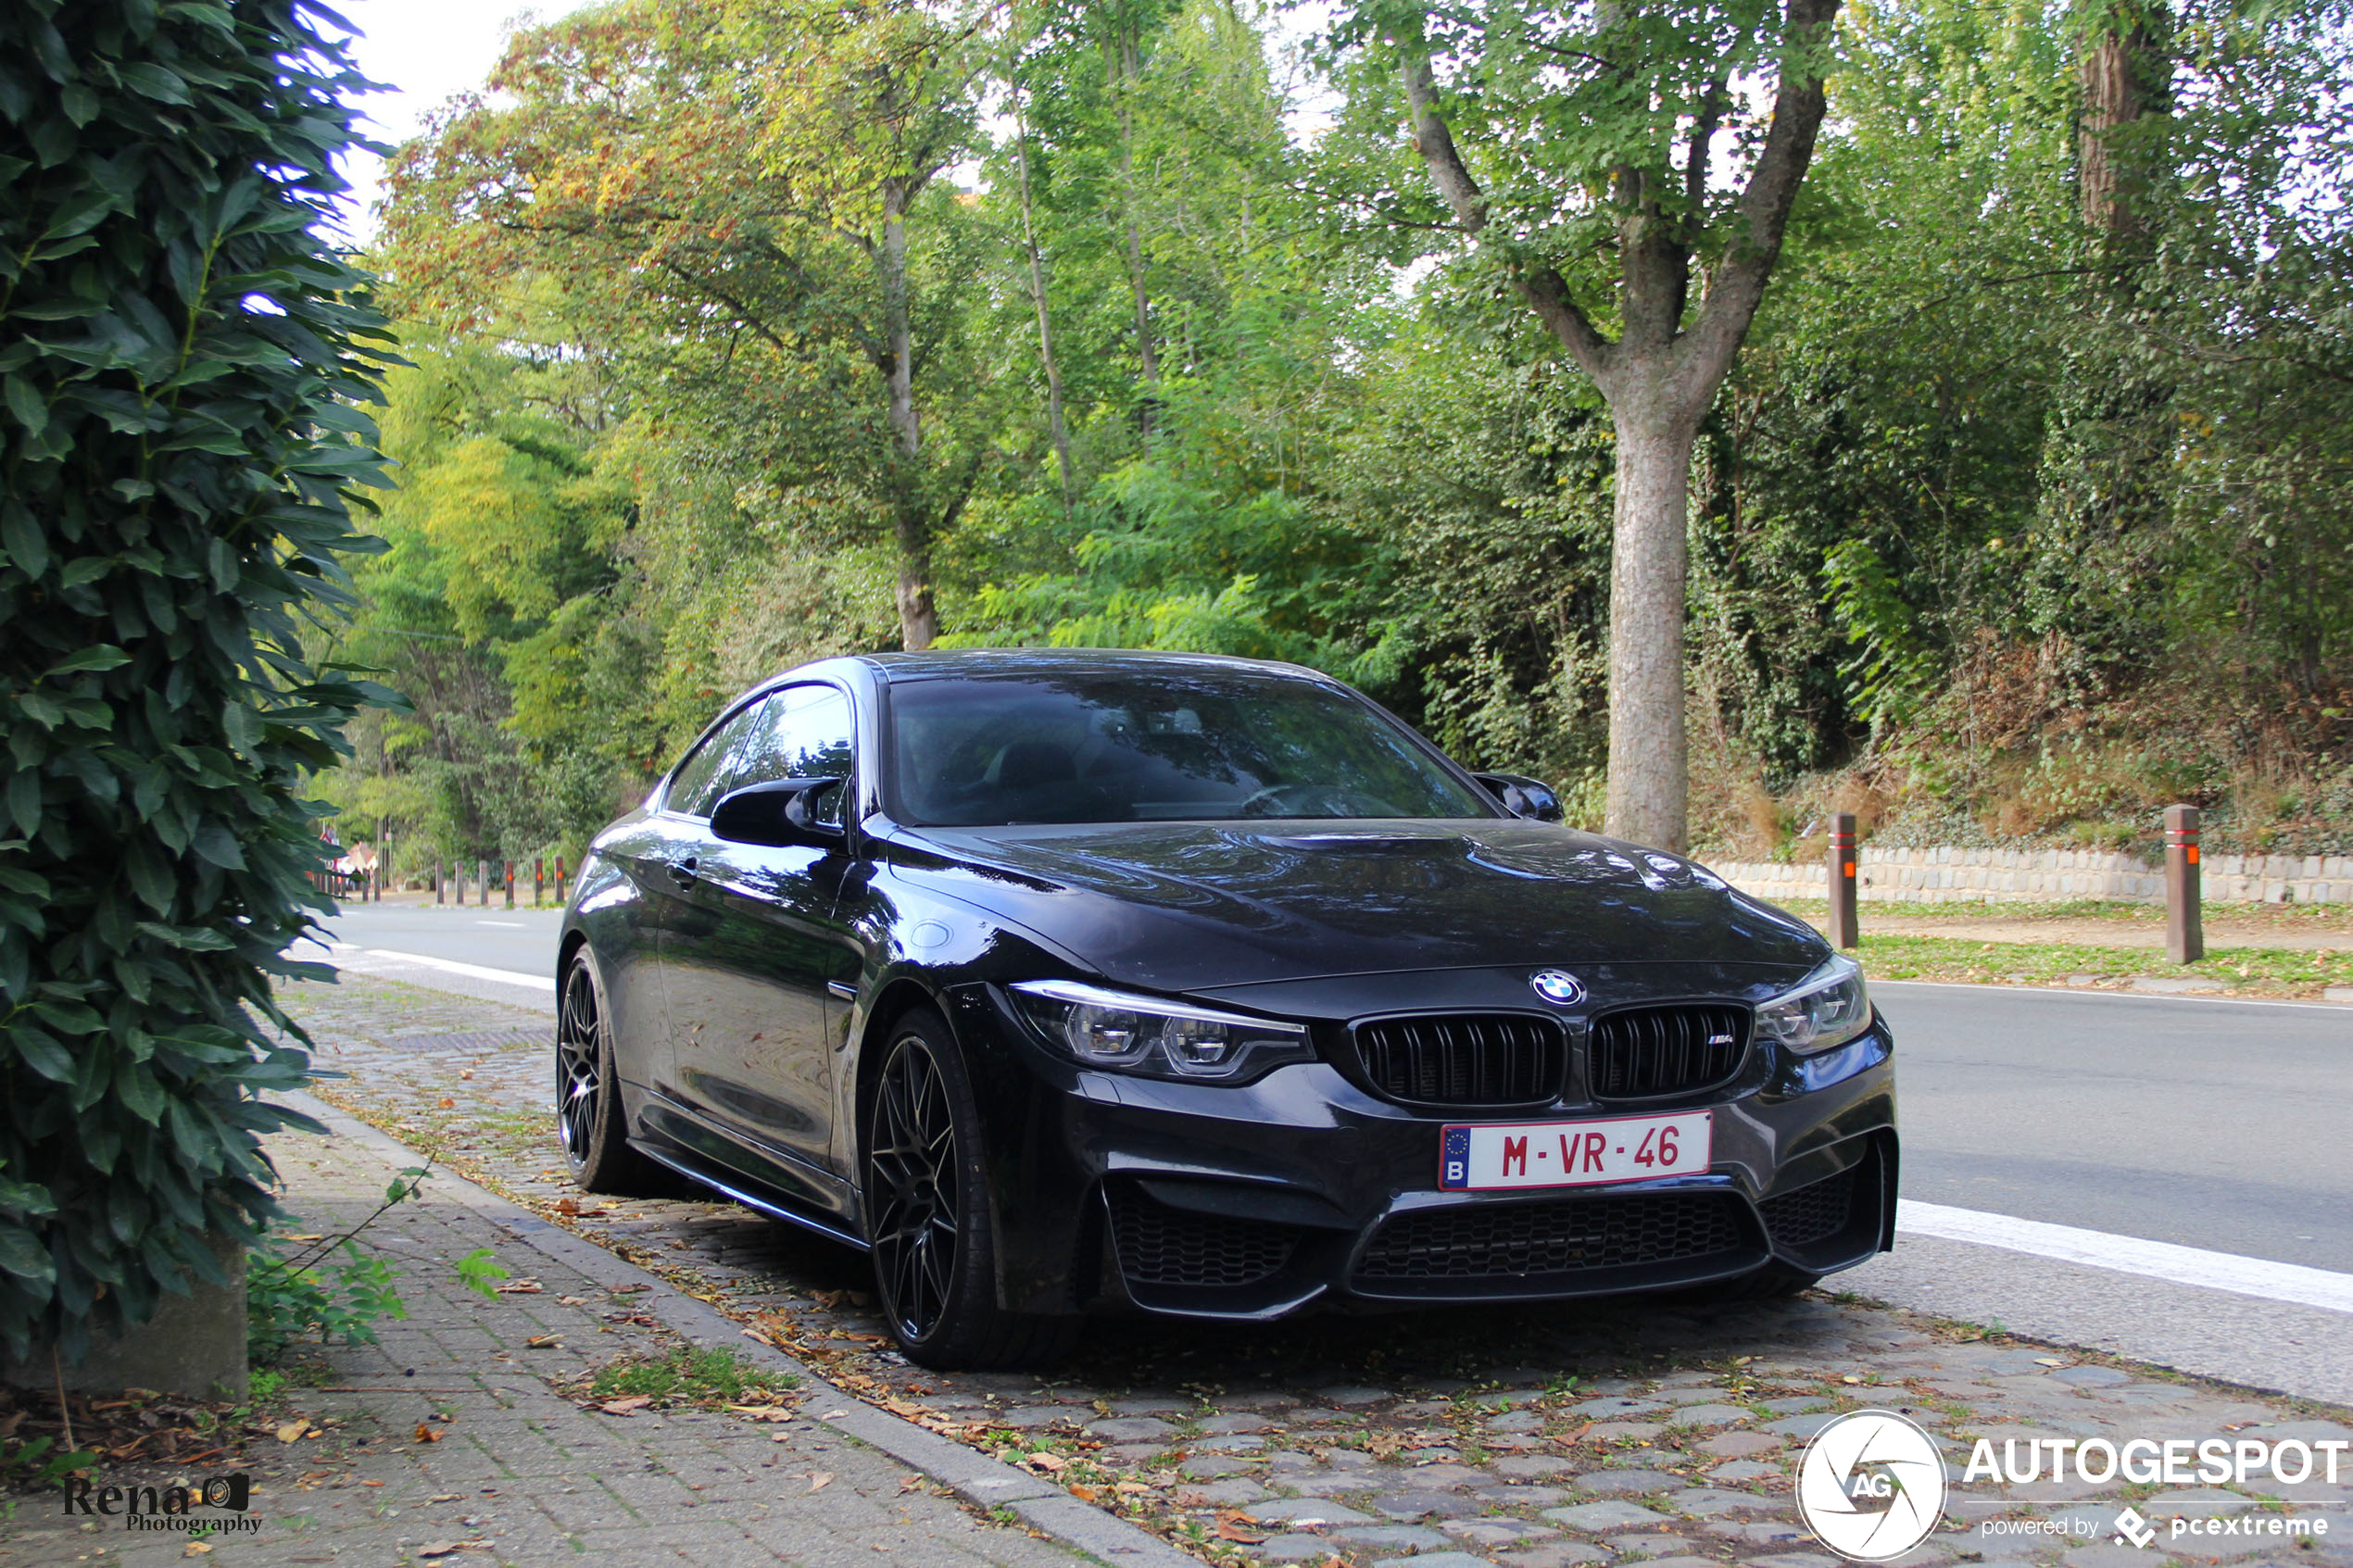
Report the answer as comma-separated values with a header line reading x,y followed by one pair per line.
x,y
510,924
504,976
2131,1255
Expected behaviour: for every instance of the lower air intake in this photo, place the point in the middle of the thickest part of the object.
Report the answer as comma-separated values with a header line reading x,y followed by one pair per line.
x,y
1503,1240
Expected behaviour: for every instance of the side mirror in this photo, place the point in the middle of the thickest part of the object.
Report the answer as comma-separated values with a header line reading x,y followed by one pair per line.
x,y
780,813
1527,798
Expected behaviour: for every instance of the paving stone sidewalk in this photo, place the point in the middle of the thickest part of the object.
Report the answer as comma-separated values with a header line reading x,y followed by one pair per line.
x,y
452,1440
1555,1438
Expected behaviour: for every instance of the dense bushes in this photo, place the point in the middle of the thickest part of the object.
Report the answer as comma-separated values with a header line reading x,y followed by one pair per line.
x,y
180,442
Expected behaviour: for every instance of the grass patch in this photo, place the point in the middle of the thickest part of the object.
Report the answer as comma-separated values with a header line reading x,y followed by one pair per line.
x,y
2259,972
2280,917
689,1377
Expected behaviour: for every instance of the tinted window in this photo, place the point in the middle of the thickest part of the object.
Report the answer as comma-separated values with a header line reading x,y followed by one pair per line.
x,y
702,778
1186,745
804,733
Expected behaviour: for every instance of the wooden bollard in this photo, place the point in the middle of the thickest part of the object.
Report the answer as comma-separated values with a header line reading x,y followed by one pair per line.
x,y
440,882
2185,928
1843,933
510,884
538,880
560,879
481,875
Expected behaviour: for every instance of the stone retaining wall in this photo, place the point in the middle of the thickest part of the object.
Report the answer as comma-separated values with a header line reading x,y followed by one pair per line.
x,y
2019,876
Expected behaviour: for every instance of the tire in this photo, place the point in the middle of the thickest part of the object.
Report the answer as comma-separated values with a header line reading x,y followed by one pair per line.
x,y
590,1120
928,1217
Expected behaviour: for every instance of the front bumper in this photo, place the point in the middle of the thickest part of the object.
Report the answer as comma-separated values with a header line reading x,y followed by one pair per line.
x,y
1248,1203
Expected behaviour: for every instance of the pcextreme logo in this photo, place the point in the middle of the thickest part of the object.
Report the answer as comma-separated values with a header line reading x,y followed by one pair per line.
x,y
1871,1486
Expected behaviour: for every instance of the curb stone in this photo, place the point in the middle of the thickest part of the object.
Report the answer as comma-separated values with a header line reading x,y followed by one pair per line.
x,y
971,1475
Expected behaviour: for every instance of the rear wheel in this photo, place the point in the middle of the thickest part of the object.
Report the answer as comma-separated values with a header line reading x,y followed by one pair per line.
x,y
590,1120
928,1219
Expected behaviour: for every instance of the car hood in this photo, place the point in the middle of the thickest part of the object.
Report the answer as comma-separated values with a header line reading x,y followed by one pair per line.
x,y
1194,906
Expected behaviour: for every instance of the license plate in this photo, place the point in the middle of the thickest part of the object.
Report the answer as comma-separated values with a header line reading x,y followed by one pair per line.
x,y
1486,1156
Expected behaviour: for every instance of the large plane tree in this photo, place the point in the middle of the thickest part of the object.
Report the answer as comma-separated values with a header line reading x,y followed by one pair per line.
x,y
1628,166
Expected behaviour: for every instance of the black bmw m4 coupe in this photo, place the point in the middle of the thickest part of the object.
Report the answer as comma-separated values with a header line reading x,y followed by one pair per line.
x,y
1074,981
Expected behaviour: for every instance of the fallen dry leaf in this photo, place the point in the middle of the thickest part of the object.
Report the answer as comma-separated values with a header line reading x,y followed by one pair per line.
x,y
820,1479
519,1287
1048,1463
755,1334
544,1342
1084,1494
449,1104
427,1433
629,1406
1133,1488
468,1076
911,1483
197,1548
1239,1529
292,1431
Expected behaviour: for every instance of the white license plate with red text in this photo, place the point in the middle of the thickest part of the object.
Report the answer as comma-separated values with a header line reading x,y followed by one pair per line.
x,y
1486,1156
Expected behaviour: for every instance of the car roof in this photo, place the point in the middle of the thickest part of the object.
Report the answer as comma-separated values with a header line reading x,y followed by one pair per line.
x,y
937,663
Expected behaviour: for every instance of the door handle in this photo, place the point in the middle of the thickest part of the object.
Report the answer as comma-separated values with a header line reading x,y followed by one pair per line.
x,y
683,871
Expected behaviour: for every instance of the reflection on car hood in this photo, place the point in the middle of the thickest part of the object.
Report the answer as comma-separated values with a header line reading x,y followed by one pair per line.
x,y
1183,906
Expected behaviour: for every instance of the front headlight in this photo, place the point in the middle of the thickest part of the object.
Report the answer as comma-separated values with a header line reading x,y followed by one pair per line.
x,y
1160,1039
1829,1008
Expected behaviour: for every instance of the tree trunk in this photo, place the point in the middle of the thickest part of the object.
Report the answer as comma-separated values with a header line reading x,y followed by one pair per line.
x,y
1123,65
918,619
1054,424
1646,800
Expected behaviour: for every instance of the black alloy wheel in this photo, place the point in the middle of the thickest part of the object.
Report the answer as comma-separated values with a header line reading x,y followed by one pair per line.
x,y
918,1196
589,1121
580,1061
927,1212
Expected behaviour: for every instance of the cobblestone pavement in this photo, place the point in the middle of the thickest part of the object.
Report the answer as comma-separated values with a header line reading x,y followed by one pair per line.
x,y
1551,1438
452,1440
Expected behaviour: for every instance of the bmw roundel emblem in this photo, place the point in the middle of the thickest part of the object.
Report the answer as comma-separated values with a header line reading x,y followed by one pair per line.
x,y
1558,987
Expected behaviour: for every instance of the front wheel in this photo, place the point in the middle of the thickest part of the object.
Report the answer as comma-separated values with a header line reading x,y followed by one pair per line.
x,y
927,1212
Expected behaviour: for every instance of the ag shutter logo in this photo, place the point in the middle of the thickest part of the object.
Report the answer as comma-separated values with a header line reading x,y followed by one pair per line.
x,y
1871,1486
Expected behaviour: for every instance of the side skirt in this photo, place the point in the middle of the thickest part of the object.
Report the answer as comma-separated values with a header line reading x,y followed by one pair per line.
x,y
734,1187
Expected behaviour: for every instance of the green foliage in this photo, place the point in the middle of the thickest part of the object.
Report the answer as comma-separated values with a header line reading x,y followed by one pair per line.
x,y
294,1288
480,1272
340,1297
1976,474
183,443
38,1463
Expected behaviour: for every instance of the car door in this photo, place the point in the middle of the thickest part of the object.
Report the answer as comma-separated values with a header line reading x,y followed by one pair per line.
x,y
747,976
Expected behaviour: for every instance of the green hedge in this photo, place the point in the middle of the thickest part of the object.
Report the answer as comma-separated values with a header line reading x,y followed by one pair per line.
x,y
183,362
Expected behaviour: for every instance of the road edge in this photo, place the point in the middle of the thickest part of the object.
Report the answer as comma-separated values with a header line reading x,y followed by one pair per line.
x,y
1092,1532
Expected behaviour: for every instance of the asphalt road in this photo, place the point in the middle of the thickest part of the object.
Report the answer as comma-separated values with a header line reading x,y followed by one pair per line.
x,y
2202,1122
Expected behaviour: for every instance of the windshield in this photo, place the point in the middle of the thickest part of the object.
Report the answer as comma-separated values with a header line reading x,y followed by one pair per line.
x,y
1186,745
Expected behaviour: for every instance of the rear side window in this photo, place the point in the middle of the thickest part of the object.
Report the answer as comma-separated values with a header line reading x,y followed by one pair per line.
x,y
705,775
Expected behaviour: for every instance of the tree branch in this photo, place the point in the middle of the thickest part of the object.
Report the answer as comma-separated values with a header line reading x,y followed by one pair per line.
x,y
1542,286
1761,215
